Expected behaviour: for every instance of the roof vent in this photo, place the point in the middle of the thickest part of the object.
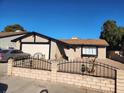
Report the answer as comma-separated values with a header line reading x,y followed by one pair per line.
x,y
18,31
74,38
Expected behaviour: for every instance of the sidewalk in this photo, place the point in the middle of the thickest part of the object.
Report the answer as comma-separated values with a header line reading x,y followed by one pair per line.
x,y
25,85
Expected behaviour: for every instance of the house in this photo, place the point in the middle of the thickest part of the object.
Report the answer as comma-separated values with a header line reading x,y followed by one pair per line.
x,y
86,48
6,37
33,42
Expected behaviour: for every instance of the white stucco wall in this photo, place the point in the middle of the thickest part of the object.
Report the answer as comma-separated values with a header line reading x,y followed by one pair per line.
x,y
39,39
73,54
101,52
5,42
31,39
76,55
28,39
55,52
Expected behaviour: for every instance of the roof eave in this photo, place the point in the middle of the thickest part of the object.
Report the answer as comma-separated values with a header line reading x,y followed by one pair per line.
x,y
87,45
35,33
12,35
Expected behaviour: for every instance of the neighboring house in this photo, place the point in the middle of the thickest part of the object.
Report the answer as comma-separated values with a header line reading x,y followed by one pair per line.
x,y
116,55
33,42
6,37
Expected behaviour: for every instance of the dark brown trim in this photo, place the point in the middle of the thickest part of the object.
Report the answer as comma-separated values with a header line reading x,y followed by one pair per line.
x,y
20,45
49,49
115,91
35,42
84,55
97,51
87,45
40,35
34,38
24,36
81,51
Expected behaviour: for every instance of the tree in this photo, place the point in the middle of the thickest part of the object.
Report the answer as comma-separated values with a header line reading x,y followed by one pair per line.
x,y
13,28
112,34
122,44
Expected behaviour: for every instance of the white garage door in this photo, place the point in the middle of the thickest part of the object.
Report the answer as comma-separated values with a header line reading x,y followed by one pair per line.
x,y
36,48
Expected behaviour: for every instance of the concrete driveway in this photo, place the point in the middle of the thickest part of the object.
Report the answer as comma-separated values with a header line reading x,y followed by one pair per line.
x,y
9,84
25,85
3,69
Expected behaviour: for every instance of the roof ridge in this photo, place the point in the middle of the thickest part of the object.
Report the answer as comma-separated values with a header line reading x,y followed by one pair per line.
x,y
98,42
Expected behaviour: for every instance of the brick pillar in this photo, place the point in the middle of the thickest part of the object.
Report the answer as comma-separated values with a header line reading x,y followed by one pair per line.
x,y
120,81
54,69
9,68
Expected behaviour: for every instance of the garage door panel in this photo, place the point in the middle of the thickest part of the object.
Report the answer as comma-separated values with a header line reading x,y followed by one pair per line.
x,y
36,48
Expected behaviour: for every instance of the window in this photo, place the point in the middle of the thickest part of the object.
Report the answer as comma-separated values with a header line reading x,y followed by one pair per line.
x,y
89,51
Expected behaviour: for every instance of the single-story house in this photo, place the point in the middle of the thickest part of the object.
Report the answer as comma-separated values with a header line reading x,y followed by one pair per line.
x,y
33,42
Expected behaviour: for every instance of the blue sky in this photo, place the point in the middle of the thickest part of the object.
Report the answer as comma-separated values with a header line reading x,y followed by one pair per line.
x,y
62,18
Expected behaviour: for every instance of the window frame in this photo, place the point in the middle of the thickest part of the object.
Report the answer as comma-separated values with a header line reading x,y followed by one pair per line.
x,y
88,55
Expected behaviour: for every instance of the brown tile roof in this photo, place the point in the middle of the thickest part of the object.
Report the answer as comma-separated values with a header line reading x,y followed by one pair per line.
x,y
7,34
99,42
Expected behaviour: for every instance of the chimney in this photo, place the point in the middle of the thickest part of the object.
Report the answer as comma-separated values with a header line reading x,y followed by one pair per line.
x,y
18,31
74,38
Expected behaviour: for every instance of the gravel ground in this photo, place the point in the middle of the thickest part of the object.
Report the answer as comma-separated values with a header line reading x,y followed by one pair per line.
x,y
112,63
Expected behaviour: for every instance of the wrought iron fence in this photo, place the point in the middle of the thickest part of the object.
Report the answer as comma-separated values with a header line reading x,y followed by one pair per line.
x,y
32,63
88,68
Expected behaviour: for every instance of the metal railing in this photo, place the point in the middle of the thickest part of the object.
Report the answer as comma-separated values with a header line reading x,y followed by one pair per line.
x,y
88,68
33,63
